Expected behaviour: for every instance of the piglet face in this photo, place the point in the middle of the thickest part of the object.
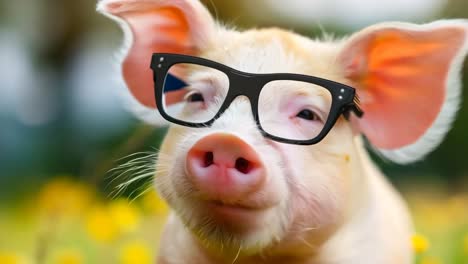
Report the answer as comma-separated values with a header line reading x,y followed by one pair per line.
x,y
234,187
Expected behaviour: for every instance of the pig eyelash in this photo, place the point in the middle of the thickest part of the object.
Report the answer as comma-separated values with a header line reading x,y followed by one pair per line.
x,y
344,100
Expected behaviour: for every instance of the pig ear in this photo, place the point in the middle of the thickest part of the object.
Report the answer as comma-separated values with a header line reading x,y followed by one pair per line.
x,y
174,26
408,79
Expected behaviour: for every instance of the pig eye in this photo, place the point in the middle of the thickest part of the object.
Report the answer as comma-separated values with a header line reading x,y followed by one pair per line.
x,y
194,97
308,114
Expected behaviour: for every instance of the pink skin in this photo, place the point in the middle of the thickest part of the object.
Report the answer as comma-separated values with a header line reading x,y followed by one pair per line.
x,y
224,168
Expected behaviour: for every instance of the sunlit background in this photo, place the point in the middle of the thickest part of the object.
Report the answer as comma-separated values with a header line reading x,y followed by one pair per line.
x,y
63,128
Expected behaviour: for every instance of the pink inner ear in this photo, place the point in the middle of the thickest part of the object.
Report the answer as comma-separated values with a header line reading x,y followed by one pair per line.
x,y
157,30
401,77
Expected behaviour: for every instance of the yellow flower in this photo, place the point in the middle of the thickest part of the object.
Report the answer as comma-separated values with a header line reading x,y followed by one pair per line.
x,y
420,243
125,215
430,260
107,223
465,244
154,204
10,258
68,257
136,252
64,196
100,225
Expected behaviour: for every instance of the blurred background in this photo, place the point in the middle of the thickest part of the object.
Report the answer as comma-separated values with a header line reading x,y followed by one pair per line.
x,y
63,127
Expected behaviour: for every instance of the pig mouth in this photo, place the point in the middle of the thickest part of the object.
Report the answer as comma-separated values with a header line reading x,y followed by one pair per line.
x,y
237,206
229,222
249,204
232,213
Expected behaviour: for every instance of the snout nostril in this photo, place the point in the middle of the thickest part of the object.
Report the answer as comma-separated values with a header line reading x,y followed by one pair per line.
x,y
208,159
243,165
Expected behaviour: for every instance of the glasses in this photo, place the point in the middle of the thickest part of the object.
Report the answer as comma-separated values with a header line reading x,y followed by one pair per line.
x,y
289,108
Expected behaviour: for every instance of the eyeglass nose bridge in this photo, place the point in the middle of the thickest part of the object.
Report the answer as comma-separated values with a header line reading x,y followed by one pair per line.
x,y
244,84
241,84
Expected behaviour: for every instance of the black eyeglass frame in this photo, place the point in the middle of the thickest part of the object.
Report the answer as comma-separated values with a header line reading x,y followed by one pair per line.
x,y
344,99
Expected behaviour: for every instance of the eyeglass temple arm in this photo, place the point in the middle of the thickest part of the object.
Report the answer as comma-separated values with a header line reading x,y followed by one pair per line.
x,y
354,107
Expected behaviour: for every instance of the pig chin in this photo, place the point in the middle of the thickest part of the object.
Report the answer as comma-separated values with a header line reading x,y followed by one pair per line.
x,y
233,228
251,222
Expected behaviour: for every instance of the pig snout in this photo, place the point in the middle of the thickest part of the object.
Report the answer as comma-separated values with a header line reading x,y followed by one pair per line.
x,y
225,168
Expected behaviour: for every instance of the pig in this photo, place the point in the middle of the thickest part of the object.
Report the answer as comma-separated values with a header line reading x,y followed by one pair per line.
x,y
322,203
